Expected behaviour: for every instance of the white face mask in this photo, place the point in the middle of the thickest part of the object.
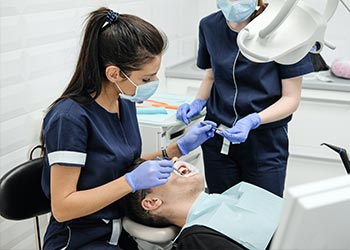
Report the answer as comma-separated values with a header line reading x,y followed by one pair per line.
x,y
142,92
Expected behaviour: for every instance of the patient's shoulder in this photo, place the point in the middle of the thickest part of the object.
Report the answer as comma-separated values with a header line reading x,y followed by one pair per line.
x,y
204,238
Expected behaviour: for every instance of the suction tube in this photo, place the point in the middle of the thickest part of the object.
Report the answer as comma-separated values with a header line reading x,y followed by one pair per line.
x,y
343,155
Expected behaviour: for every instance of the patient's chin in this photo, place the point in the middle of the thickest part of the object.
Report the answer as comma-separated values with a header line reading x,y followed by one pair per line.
x,y
195,181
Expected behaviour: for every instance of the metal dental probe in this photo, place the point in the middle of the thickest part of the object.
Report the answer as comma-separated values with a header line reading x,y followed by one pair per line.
x,y
175,169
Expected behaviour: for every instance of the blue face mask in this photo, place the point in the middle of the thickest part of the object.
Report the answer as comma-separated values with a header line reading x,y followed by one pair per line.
x,y
142,92
237,11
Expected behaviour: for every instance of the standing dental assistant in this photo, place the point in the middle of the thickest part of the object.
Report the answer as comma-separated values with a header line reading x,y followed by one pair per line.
x,y
253,103
91,133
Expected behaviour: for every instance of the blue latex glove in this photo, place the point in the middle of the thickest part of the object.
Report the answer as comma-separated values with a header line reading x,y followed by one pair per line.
x,y
187,111
239,132
149,174
198,134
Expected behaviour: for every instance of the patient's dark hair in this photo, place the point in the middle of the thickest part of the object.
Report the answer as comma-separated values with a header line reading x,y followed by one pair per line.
x,y
134,209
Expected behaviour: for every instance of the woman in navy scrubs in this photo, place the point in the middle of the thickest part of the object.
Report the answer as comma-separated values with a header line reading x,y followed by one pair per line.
x,y
251,102
91,133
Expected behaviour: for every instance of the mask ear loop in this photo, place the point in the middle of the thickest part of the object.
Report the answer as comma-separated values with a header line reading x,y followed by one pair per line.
x,y
128,79
117,85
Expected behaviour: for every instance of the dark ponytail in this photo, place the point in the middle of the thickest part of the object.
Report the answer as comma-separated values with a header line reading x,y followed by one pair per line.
x,y
128,43
87,75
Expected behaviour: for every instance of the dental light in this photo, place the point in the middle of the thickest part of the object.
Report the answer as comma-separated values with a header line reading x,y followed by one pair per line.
x,y
286,31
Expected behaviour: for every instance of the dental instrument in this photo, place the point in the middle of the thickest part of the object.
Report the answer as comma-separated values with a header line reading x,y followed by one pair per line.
x,y
217,130
161,104
142,110
286,31
178,171
185,168
175,169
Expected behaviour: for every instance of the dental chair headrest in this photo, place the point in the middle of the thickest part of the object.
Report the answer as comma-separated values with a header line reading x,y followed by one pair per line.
x,y
150,234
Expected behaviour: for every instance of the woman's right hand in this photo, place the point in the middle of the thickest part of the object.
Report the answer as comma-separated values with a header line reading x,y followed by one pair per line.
x,y
149,174
187,111
198,134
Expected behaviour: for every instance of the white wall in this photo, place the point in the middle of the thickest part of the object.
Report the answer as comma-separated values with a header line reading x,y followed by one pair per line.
x,y
39,44
337,31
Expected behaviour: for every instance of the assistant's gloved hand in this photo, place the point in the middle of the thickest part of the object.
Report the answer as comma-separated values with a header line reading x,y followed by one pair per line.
x,y
149,174
187,111
199,133
239,132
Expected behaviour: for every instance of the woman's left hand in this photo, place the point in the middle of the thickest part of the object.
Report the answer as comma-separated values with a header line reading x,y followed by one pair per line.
x,y
239,132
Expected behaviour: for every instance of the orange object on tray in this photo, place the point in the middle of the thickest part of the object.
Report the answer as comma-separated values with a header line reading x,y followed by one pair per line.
x,y
162,104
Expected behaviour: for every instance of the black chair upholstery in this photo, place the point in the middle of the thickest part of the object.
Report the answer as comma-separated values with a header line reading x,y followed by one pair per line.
x,y
21,196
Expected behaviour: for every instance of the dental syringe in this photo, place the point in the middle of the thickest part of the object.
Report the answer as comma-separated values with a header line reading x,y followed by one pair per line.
x,y
217,130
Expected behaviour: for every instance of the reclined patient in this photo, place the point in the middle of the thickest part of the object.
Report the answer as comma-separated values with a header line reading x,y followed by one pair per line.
x,y
243,217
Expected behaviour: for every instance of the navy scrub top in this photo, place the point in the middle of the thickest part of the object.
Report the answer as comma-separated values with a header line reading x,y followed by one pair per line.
x,y
256,85
89,137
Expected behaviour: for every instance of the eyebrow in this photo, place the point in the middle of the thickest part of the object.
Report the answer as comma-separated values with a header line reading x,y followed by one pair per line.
x,y
153,74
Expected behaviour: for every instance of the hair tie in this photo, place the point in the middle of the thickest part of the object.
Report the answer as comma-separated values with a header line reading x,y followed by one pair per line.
x,y
111,18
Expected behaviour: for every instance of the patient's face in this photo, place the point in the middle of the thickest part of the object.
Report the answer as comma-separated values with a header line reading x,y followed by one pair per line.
x,y
189,182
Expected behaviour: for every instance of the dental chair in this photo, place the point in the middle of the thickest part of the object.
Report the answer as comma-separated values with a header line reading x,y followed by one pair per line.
x,y
150,238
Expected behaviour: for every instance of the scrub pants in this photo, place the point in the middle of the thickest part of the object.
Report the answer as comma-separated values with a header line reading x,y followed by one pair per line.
x,y
261,160
79,234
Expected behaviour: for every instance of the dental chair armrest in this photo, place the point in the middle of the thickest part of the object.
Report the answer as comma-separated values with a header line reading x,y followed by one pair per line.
x,y
150,234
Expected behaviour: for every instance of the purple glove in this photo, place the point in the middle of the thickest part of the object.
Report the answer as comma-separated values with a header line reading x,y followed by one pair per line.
x,y
239,132
149,174
198,134
187,111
